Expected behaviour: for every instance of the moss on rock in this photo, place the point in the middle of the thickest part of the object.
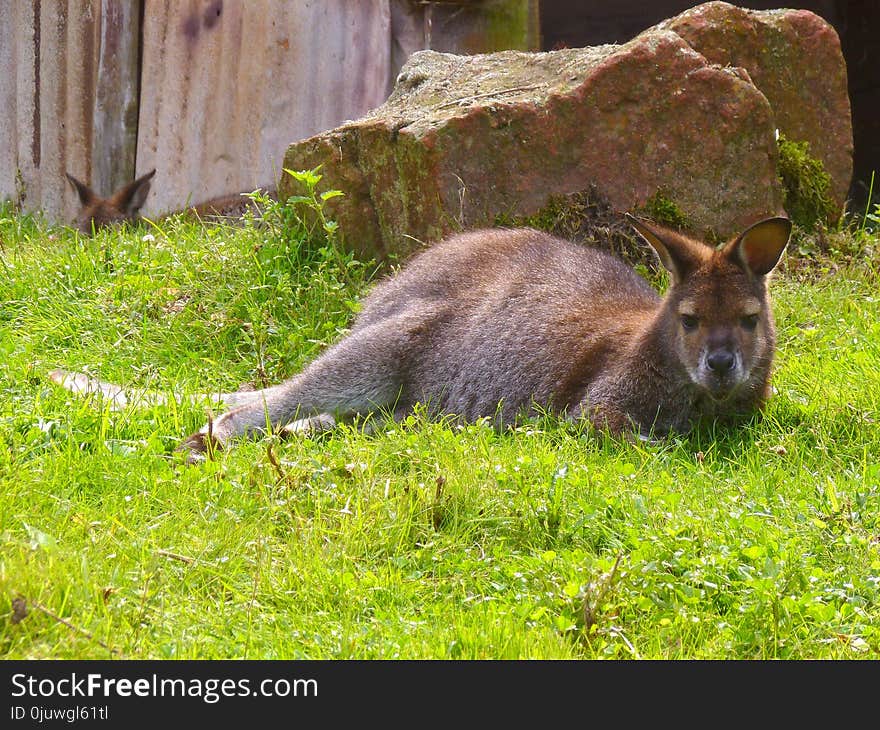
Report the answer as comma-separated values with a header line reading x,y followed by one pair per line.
x,y
585,217
806,184
662,209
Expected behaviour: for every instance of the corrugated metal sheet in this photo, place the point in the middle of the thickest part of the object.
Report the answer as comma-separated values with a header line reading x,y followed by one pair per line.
x,y
226,86
50,52
12,63
114,134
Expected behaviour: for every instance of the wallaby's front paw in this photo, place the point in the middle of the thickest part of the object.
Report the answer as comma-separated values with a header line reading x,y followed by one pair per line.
x,y
310,426
199,446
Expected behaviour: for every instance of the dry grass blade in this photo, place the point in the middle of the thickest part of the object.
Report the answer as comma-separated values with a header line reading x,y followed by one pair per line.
x,y
176,556
594,595
20,610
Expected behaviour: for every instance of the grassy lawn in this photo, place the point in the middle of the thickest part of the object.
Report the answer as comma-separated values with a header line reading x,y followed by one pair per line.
x,y
422,540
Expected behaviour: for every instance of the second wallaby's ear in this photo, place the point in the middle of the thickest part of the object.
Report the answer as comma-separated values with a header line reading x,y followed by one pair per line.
x,y
760,246
677,254
85,193
132,196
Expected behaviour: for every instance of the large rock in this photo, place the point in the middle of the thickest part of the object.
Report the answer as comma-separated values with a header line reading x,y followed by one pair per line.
x,y
464,140
794,58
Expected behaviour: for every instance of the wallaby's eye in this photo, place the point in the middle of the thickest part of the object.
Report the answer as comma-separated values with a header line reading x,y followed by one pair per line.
x,y
689,322
749,322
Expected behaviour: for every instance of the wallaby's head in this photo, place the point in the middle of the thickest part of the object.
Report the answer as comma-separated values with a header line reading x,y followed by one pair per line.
x,y
123,205
716,315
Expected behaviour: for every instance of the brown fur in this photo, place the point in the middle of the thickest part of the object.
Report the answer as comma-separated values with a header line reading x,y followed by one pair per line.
x,y
496,323
123,205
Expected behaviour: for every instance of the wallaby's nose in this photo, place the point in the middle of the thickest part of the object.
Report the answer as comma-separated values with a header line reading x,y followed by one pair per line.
x,y
720,362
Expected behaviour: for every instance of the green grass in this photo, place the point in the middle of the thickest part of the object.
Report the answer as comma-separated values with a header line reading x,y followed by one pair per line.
x,y
422,540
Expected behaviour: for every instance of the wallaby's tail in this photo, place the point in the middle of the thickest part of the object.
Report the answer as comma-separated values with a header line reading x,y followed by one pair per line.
x,y
118,398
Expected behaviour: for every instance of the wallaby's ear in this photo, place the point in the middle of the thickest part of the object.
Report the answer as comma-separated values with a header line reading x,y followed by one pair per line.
x,y
760,246
85,193
677,254
132,196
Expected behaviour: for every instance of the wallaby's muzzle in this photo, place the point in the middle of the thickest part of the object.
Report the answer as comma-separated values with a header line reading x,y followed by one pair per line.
x,y
721,371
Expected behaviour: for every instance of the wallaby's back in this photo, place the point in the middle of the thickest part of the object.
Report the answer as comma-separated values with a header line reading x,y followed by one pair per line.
x,y
509,317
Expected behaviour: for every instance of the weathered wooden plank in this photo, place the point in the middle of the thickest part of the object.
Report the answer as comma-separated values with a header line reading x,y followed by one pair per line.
x,y
114,132
227,85
17,100
65,91
8,103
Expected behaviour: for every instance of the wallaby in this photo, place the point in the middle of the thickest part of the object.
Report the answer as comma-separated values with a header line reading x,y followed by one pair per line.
x,y
125,204
497,323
